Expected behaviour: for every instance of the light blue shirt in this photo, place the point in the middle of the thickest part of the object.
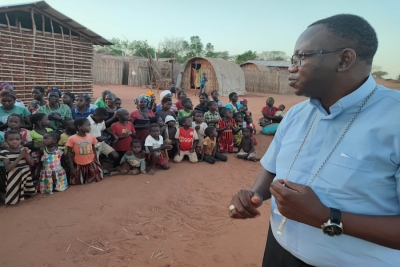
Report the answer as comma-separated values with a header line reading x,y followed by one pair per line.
x,y
231,107
362,176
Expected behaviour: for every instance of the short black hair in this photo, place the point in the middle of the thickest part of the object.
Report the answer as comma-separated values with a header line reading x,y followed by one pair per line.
x,y
153,125
71,95
101,112
196,111
210,103
204,94
154,119
231,95
209,130
55,134
118,99
79,122
16,115
185,100
247,117
181,92
183,120
247,130
136,141
36,118
236,114
355,32
65,122
10,132
165,100
40,88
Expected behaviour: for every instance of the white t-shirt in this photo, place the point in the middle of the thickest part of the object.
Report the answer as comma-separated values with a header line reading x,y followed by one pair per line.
x,y
96,128
280,114
150,141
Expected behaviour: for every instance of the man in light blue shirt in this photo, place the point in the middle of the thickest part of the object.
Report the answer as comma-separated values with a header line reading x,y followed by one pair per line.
x,y
334,162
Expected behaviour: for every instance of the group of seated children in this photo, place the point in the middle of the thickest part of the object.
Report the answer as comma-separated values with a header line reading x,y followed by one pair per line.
x,y
47,160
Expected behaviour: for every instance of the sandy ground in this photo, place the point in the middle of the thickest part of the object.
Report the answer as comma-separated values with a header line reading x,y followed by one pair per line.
x,y
175,218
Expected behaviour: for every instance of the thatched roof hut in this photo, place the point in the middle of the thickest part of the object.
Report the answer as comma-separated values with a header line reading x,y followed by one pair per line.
x,y
224,76
40,46
267,76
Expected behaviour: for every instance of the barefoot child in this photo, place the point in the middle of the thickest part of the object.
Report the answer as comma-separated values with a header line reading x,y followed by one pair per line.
x,y
52,176
226,129
80,149
280,112
199,126
211,117
14,122
237,137
248,123
209,152
134,160
187,140
247,145
124,130
154,144
17,161
169,135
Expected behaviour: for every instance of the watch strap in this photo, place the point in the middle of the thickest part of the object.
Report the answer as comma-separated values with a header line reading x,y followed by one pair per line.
x,y
336,216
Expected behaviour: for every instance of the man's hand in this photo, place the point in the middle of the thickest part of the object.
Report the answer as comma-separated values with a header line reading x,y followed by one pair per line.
x,y
246,204
299,203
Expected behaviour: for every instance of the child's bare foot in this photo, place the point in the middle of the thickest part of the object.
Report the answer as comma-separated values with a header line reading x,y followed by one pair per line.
x,y
151,172
114,173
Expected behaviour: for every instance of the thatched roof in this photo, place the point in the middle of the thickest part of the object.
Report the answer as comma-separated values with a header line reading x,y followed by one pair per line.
x,y
264,64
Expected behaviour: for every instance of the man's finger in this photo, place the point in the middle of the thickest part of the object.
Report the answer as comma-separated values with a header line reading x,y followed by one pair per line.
x,y
294,186
245,199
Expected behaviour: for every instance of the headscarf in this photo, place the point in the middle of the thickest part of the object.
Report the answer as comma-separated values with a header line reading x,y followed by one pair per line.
x,y
164,93
3,85
149,93
54,89
141,98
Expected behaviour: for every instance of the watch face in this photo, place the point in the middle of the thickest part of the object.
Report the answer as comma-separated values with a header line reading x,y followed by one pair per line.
x,y
333,230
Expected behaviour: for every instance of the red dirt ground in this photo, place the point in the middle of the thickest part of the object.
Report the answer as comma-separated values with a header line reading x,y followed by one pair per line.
x,y
181,213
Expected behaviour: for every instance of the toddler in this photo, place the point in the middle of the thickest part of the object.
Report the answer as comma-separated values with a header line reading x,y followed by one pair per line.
x,y
209,152
187,141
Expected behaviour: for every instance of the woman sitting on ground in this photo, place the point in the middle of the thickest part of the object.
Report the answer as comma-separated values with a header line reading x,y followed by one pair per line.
x,y
269,111
233,105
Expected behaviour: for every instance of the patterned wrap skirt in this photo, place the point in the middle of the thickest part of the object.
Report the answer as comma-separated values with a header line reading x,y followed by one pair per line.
x,y
86,174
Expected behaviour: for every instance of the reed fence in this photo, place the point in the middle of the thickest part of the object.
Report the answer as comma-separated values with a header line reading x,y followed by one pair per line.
x,y
273,81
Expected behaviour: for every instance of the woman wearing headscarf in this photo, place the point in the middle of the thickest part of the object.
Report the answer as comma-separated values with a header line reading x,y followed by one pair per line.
x,y
166,94
8,87
153,105
141,117
55,111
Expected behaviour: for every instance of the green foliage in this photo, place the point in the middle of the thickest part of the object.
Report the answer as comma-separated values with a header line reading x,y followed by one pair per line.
x,y
272,55
127,48
248,55
398,77
379,74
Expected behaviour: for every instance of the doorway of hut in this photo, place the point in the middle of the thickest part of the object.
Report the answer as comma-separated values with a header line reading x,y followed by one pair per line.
x,y
125,73
195,76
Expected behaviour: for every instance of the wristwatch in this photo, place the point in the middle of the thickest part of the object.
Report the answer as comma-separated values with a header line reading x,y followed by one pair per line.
x,y
334,226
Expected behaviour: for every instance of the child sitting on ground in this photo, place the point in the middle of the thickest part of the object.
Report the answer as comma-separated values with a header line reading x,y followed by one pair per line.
x,y
246,109
52,176
17,161
248,123
280,112
237,138
211,117
134,160
81,154
187,111
124,130
226,130
200,127
181,95
169,135
14,122
158,120
247,145
166,104
154,144
187,140
209,152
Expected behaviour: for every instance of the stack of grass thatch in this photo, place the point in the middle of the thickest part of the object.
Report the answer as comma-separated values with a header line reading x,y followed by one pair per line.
x,y
273,80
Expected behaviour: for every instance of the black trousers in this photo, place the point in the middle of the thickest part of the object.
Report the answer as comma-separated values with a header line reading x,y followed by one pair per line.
x,y
218,156
276,256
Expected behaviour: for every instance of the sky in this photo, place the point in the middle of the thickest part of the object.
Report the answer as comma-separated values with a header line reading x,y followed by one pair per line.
x,y
232,25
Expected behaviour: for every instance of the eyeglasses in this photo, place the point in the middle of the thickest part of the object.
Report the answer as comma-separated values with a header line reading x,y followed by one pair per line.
x,y
296,58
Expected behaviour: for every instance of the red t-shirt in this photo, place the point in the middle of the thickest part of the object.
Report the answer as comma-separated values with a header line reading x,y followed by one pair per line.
x,y
179,105
118,128
186,138
270,112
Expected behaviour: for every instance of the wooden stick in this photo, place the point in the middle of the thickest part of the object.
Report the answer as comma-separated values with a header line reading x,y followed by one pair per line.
x,y
147,222
221,224
152,256
68,248
88,244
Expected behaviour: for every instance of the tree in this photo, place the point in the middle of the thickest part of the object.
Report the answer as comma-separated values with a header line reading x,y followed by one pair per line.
x,y
272,55
171,47
192,49
379,74
398,77
248,55
133,48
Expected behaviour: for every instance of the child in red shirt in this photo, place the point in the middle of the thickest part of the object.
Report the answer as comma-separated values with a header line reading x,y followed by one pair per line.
x,y
125,131
187,140
226,130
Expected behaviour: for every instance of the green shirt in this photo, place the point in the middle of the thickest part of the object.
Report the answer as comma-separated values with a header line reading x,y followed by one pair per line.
x,y
17,110
182,113
63,110
100,103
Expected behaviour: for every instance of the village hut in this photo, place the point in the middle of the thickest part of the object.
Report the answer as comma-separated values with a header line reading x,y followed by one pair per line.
x,y
134,71
39,46
223,76
267,76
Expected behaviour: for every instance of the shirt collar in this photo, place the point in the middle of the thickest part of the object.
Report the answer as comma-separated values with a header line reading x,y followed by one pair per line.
x,y
349,100
77,111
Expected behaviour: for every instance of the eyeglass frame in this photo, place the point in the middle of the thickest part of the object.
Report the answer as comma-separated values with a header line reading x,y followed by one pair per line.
x,y
313,53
